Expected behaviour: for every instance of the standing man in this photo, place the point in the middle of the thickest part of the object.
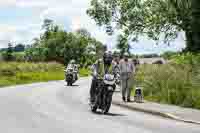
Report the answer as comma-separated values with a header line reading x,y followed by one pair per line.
x,y
127,68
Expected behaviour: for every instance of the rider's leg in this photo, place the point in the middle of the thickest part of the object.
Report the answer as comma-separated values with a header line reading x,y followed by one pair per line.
x,y
92,90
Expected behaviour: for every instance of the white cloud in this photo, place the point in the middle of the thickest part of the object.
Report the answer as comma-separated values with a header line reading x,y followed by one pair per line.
x,y
7,28
22,34
8,3
25,4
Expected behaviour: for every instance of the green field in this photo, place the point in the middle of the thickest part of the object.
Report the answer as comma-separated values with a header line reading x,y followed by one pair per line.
x,y
14,73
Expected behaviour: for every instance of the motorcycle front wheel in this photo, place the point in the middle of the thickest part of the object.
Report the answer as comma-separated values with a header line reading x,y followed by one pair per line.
x,y
108,99
93,108
69,83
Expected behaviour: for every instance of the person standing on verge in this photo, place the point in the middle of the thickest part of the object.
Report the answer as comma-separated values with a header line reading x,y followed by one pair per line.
x,y
126,68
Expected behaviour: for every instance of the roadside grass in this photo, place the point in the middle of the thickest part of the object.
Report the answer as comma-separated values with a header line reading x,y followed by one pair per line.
x,y
171,84
13,73
84,72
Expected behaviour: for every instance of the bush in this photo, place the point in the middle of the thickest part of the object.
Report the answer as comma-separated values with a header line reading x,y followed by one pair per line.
x,y
171,83
186,58
19,56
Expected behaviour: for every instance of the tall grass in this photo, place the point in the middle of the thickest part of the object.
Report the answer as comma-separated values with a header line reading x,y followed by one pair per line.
x,y
176,84
84,72
14,73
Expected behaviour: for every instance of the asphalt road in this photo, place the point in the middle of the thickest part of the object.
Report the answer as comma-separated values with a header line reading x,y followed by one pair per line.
x,y
55,108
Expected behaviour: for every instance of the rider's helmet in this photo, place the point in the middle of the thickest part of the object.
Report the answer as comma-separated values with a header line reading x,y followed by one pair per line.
x,y
126,55
116,53
72,62
107,57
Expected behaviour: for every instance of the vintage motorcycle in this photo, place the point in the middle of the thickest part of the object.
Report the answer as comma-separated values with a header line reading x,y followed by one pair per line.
x,y
104,93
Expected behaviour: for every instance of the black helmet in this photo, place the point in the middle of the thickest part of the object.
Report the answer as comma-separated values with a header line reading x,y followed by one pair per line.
x,y
107,57
116,53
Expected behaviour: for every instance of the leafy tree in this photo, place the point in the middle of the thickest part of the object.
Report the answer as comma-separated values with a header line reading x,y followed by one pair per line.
x,y
195,25
122,44
83,32
56,44
19,48
156,19
47,26
8,55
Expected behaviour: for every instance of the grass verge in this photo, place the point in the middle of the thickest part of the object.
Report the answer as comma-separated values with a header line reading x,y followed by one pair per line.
x,y
171,84
14,73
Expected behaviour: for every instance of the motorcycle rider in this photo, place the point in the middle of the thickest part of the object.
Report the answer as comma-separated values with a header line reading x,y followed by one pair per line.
x,y
100,67
74,67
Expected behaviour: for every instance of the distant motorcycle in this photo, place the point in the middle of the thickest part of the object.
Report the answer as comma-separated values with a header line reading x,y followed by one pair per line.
x,y
70,76
103,93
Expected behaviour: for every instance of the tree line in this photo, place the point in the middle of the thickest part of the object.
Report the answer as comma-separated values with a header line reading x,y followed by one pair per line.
x,y
56,44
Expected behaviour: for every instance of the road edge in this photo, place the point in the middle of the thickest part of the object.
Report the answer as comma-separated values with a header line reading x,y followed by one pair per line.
x,y
153,112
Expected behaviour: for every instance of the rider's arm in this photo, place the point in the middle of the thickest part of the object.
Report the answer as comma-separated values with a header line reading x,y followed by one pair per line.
x,y
93,70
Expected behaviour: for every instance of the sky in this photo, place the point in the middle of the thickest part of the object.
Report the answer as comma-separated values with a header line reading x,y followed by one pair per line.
x,y
21,20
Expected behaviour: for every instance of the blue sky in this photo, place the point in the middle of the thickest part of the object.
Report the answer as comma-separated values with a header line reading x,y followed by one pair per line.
x,y
20,21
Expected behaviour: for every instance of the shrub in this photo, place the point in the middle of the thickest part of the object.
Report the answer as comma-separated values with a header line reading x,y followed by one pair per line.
x,y
170,83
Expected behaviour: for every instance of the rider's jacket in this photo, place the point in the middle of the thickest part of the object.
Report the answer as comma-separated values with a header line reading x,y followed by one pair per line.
x,y
100,69
72,66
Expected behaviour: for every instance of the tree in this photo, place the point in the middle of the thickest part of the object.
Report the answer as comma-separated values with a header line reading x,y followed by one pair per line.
x,y
195,25
122,44
55,44
156,19
19,48
8,54
83,32
47,26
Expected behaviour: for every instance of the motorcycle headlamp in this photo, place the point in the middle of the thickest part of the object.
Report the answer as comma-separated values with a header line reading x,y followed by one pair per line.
x,y
70,70
109,77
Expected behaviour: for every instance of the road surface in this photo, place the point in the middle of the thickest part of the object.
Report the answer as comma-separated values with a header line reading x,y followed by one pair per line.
x,y
55,108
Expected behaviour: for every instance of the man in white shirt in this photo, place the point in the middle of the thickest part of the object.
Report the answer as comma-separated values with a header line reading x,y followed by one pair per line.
x,y
127,69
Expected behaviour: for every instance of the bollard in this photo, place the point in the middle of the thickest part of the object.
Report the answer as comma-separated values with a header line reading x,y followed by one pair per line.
x,y
138,95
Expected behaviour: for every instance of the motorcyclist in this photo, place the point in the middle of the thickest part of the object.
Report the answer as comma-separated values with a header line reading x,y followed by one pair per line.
x,y
74,67
71,64
101,67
